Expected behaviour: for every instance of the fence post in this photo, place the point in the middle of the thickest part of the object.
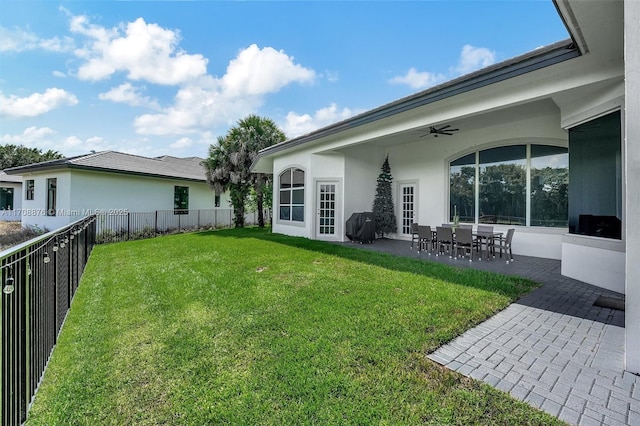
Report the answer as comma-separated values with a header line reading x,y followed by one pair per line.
x,y
155,224
198,218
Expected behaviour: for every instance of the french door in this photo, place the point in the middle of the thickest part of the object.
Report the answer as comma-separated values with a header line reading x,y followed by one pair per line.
x,y
407,207
328,224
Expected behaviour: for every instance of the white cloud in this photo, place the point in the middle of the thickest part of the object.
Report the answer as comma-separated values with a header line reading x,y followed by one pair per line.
x,y
474,58
32,136
471,59
418,80
332,76
256,72
36,103
181,143
208,102
130,95
144,51
297,125
59,74
18,40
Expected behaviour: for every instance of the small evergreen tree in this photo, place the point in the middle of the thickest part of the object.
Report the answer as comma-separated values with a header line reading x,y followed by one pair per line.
x,y
383,210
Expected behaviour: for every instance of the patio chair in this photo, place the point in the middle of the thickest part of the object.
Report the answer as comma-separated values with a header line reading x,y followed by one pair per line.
x,y
425,238
444,240
505,244
414,233
465,243
485,228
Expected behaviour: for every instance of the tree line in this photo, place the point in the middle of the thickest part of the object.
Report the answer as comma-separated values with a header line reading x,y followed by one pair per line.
x,y
19,155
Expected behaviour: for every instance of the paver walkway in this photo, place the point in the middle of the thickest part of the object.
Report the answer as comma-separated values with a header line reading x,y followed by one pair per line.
x,y
553,349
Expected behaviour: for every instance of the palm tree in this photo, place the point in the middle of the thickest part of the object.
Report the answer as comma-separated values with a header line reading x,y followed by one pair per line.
x,y
229,163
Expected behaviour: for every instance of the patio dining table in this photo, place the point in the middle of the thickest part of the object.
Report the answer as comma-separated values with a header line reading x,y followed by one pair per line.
x,y
487,238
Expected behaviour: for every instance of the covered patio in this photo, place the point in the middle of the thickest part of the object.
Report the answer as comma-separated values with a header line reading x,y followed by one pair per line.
x,y
558,348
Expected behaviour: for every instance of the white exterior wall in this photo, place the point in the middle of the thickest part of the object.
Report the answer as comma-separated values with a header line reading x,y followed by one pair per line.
x,y
34,211
593,260
362,167
80,193
96,191
632,175
315,166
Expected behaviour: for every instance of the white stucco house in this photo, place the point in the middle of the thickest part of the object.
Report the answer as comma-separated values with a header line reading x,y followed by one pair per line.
x,y
547,143
10,200
59,192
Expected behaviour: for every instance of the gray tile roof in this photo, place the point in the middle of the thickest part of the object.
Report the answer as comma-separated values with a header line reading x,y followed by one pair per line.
x,y
119,162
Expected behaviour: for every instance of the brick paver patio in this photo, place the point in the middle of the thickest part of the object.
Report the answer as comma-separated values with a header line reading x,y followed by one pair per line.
x,y
553,349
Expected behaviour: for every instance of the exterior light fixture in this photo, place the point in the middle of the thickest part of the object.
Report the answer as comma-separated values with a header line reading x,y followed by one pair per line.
x,y
8,285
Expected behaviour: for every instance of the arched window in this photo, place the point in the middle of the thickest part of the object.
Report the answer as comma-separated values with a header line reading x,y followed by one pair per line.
x,y
291,195
513,185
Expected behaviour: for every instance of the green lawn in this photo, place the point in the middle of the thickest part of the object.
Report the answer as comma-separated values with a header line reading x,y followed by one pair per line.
x,y
247,327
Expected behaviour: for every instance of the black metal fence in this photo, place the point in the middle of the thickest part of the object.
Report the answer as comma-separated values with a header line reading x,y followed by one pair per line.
x,y
122,226
39,280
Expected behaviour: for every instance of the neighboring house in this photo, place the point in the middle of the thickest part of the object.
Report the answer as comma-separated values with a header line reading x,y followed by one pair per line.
x,y
548,143
59,192
10,198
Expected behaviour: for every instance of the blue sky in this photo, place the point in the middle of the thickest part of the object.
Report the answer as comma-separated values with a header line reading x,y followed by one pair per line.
x,y
155,78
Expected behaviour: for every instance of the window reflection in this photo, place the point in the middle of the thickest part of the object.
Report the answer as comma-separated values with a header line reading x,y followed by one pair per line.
x,y
549,186
462,182
502,186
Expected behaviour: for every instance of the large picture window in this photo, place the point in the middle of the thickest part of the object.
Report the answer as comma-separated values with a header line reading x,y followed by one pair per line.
x,y
496,185
503,181
595,195
291,195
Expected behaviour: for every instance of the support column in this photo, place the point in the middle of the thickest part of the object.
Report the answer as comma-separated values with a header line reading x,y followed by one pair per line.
x,y
632,178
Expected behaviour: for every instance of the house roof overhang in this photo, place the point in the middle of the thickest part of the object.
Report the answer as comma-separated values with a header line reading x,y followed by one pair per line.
x,y
540,58
583,21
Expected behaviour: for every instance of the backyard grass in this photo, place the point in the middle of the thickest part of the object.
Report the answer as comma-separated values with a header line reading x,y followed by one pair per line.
x,y
252,328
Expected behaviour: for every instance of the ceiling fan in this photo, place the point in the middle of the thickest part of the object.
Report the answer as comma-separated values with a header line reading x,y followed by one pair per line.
x,y
435,131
